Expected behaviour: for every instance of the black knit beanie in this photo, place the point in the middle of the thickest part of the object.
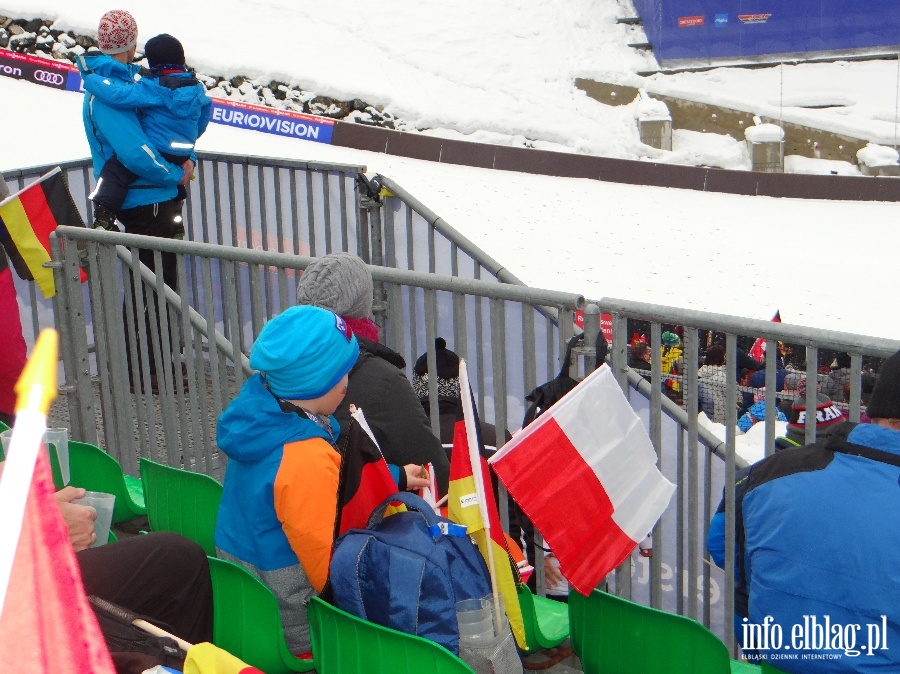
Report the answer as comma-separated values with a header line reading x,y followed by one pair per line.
x,y
885,400
163,50
447,370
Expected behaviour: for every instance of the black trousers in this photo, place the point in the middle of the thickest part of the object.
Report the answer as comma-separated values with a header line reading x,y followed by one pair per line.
x,y
162,220
159,575
115,179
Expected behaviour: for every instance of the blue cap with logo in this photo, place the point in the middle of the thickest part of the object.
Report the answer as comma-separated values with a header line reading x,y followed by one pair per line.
x,y
304,352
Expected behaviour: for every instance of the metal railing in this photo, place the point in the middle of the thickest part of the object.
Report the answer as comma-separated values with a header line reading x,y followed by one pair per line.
x,y
211,328
305,208
253,221
701,462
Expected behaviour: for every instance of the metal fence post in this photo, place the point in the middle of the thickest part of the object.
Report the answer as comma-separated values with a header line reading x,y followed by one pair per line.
x,y
69,316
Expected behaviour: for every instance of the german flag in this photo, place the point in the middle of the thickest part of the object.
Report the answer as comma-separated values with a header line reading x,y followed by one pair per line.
x,y
29,217
365,480
471,502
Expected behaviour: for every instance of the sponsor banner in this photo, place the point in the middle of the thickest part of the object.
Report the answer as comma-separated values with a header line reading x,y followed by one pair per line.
x,y
754,18
689,21
721,21
271,120
60,75
39,70
605,324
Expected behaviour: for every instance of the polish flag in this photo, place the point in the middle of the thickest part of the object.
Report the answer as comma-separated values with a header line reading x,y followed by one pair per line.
x,y
758,350
585,473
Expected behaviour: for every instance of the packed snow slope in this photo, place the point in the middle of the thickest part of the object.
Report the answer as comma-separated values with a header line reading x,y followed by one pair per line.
x,y
504,72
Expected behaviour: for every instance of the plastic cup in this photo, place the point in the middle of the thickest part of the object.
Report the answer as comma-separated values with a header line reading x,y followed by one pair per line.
x,y
473,616
103,503
59,438
489,604
6,438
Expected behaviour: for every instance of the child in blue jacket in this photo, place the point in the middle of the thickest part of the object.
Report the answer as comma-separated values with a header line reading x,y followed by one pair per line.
x,y
174,109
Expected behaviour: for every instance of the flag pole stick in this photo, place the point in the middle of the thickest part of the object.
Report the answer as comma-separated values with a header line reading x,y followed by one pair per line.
x,y
123,614
475,460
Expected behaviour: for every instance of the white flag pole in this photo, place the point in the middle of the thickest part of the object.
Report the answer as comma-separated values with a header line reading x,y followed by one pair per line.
x,y
475,460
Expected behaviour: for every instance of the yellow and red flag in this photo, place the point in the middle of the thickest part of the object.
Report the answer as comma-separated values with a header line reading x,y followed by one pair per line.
x,y
471,502
29,217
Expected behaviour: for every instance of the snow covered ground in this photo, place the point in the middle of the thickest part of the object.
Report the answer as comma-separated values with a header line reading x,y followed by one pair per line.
x,y
504,72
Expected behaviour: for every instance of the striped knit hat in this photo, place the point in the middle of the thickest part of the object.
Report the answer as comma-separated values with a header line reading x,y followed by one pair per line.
x,y
117,32
828,417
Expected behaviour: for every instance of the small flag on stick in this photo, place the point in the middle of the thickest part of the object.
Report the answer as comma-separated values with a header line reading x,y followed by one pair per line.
x,y
758,350
365,480
585,473
471,502
29,217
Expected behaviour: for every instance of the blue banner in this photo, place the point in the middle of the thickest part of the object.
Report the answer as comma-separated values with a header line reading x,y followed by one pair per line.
x,y
700,30
271,120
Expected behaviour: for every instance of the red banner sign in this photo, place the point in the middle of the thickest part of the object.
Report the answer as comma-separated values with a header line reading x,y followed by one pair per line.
x,y
689,21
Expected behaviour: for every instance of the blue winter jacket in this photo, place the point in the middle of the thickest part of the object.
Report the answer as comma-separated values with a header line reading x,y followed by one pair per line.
x,y
115,131
252,432
174,109
820,542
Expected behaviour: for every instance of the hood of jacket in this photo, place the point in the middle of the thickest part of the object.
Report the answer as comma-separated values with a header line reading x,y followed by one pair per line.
x,y
107,66
369,349
254,425
181,93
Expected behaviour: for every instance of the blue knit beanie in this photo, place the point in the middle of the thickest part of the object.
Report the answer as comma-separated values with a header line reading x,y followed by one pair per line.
x,y
303,352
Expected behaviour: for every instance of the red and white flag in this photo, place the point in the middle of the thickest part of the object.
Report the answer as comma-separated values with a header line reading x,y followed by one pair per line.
x,y
585,473
758,350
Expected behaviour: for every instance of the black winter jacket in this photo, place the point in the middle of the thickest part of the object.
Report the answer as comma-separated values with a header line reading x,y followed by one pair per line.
x,y
380,388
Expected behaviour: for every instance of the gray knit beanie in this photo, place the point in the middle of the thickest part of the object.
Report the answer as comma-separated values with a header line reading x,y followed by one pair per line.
x,y
339,282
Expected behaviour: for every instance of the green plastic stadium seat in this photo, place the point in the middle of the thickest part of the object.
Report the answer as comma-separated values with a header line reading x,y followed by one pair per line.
x,y
546,620
95,470
246,620
345,644
613,635
182,502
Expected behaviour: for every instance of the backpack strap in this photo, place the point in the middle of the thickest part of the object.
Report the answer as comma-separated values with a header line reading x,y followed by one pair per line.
x,y
601,349
838,442
869,453
567,359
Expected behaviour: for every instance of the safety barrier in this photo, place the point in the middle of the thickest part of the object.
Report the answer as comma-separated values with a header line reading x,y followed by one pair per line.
x,y
252,221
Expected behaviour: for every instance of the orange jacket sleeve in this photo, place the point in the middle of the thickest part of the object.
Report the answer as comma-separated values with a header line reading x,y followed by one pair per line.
x,y
306,489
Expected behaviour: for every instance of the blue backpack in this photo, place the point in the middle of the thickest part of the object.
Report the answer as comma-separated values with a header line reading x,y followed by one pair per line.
x,y
407,571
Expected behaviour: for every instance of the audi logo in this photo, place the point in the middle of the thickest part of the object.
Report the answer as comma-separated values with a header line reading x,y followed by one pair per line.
x,y
48,78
